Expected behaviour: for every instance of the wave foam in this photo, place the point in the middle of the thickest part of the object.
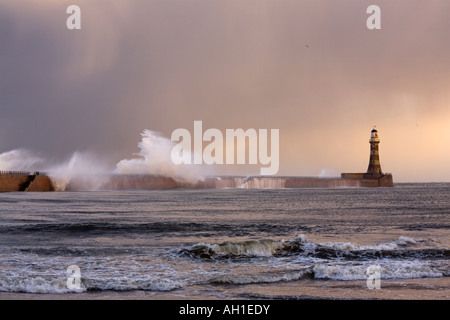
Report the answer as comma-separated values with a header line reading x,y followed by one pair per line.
x,y
389,270
49,285
300,245
36,284
271,277
253,248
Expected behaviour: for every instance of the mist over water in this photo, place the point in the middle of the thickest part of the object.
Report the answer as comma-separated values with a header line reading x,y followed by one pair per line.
x,y
82,171
89,171
19,160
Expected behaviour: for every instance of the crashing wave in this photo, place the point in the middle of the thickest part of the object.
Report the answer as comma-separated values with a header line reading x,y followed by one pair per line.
x,y
403,247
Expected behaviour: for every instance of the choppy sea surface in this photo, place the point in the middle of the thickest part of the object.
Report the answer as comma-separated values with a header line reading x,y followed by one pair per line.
x,y
228,243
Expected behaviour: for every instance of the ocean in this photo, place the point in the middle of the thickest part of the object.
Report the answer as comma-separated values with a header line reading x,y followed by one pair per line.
x,y
331,243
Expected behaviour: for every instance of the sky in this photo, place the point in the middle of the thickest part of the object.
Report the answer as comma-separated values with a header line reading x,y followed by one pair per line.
x,y
311,69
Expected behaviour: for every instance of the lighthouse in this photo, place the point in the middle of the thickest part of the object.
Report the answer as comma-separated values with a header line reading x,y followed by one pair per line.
x,y
374,169
374,177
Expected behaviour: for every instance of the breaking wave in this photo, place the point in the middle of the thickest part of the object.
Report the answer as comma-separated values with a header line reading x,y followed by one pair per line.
x,y
403,247
247,262
266,277
154,158
300,258
48,284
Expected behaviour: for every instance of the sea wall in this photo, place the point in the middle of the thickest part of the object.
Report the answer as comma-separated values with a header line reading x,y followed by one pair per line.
x,y
40,183
367,180
274,182
352,175
386,180
10,182
313,182
147,182
24,181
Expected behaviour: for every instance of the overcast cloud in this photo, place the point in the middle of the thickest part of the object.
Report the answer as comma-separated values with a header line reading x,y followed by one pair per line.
x,y
309,68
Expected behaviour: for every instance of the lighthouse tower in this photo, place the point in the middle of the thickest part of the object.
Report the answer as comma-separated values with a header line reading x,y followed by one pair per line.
x,y
374,177
374,169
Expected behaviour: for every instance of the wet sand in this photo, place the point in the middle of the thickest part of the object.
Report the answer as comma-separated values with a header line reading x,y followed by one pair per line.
x,y
408,289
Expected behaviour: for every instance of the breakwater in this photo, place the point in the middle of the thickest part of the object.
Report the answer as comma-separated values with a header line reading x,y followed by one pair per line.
x,y
40,182
11,181
281,182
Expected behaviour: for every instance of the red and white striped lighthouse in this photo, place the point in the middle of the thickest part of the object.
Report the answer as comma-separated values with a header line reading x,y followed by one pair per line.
x,y
374,169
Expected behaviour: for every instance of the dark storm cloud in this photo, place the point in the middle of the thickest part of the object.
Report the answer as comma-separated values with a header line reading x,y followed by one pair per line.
x,y
310,68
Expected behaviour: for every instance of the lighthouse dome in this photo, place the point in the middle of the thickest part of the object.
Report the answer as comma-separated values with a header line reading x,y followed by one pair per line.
x,y
374,134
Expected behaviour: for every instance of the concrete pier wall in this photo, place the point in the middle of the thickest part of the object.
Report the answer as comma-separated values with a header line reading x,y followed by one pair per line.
x,y
39,182
147,182
269,182
24,181
11,183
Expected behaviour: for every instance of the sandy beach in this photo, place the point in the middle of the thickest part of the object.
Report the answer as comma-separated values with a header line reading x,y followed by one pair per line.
x,y
409,289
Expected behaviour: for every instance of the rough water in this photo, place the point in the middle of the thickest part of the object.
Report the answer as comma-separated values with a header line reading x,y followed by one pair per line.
x,y
228,243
